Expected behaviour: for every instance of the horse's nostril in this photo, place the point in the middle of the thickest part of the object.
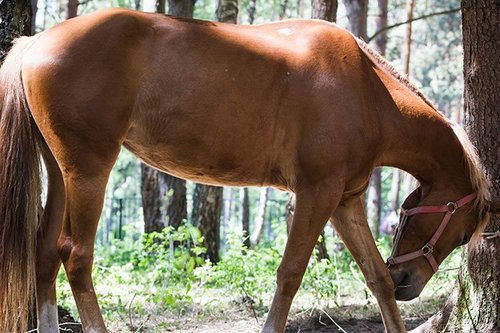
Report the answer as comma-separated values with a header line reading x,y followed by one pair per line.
x,y
399,277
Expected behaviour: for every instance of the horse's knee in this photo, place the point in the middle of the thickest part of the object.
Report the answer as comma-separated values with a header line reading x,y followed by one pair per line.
x,y
48,263
288,281
77,260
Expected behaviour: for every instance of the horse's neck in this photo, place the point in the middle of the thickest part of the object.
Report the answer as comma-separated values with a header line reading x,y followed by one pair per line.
x,y
419,140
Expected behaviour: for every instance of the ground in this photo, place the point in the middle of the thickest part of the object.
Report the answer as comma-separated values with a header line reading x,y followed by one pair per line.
x,y
350,319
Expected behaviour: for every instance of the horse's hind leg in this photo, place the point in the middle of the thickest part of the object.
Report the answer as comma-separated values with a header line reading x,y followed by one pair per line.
x,y
85,184
48,262
350,222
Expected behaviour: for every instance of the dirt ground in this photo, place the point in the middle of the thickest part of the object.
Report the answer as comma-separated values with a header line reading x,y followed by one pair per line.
x,y
318,322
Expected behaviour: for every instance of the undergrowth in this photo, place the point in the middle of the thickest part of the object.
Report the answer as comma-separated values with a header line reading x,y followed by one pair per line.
x,y
164,275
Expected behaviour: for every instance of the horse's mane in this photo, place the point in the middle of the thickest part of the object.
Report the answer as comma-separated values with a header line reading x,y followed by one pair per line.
x,y
477,176
380,61
471,159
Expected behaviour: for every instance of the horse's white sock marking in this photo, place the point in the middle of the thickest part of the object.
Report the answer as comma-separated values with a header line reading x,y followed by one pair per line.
x,y
47,318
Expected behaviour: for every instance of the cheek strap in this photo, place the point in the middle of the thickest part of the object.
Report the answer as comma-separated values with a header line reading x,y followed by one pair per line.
x,y
427,250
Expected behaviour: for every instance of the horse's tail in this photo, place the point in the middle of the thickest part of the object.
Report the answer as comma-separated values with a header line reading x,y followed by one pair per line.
x,y
20,192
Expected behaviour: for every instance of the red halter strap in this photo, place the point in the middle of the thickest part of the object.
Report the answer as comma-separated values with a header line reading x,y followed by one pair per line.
x,y
426,251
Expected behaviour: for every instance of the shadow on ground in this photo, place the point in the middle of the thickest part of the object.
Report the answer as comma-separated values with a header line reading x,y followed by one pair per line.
x,y
354,325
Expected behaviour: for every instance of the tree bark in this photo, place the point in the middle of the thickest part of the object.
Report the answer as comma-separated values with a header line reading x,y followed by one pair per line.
x,y
374,204
137,4
261,215
357,14
15,20
283,8
72,8
245,217
475,304
228,207
252,7
381,25
163,199
160,6
227,11
410,4
324,10
300,8
207,208
184,8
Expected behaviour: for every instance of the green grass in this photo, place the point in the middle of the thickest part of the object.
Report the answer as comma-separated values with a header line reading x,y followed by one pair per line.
x,y
149,283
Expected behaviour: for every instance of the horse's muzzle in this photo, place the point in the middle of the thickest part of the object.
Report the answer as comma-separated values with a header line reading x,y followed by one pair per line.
x,y
404,288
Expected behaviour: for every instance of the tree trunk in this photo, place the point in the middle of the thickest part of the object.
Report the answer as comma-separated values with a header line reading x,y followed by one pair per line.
x,y
227,11
300,8
283,8
474,305
163,199
290,210
357,14
410,4
374,205
207,208
153,192
160,6
183,8
324,10
137,4
72,9
15,21
228,207
261,215
252,7
245,217
381,23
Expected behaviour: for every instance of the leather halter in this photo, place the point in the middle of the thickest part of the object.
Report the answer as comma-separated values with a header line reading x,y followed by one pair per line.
x,y
427,250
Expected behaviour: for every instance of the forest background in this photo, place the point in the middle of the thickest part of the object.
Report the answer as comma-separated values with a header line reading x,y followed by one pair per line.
x,y
171,253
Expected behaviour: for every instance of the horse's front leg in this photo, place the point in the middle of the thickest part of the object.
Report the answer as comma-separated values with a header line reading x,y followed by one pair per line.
x,y
314,205
350,222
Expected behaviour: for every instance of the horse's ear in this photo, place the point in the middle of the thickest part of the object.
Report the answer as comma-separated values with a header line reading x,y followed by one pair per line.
x,y
493,207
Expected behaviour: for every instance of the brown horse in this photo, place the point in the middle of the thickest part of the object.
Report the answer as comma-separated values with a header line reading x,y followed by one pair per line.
x,y
298,105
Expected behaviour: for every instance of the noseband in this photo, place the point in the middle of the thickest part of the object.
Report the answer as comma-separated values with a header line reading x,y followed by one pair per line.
x,y
427,250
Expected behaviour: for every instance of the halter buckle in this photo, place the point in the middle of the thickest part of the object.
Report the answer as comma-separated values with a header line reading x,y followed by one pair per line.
x,y
427,249
452,207
389,262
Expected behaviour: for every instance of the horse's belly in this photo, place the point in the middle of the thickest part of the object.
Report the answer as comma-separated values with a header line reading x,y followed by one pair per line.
x,y
208,166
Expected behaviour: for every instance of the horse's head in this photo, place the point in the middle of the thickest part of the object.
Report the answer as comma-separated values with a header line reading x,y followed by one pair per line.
x,y
426,235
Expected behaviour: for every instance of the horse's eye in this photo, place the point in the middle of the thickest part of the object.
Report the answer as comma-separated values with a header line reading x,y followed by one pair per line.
x,y
465,240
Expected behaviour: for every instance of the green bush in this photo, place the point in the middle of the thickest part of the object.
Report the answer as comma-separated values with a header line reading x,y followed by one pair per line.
x,y
165,270
248,273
